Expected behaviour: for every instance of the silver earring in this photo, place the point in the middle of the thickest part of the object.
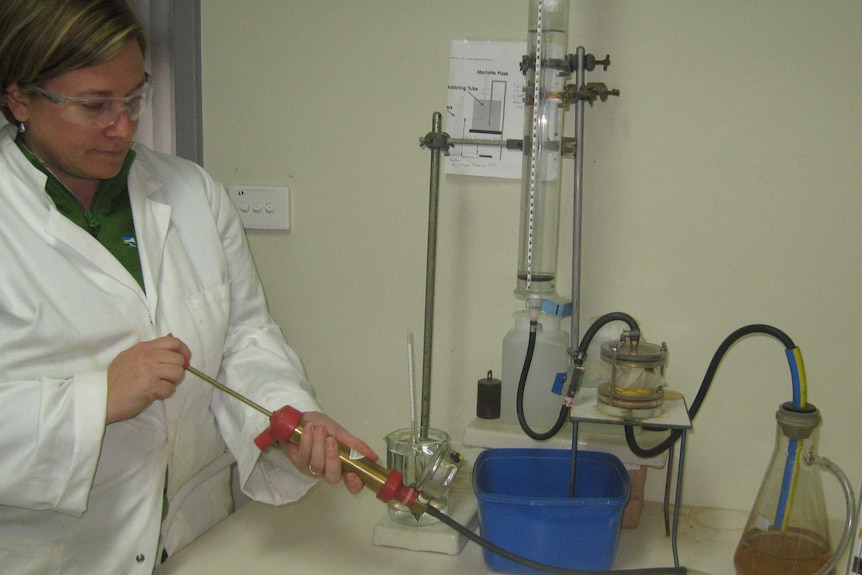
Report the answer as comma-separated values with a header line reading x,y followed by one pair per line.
x,y
22,128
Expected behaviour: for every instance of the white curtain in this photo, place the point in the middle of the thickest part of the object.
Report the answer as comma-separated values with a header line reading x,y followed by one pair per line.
x,y
156,128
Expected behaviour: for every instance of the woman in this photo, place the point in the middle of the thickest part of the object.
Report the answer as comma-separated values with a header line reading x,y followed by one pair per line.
x,y
119,267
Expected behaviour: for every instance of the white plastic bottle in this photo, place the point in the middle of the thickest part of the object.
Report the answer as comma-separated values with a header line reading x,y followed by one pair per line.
x,y
550,363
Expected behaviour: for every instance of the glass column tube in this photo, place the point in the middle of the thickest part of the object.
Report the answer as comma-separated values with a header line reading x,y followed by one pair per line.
x,y
546,72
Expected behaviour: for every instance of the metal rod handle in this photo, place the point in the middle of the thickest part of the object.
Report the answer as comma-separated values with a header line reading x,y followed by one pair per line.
x,y
430,272
228,390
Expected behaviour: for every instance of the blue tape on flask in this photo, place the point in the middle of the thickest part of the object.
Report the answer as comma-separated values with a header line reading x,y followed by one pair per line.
x,y
557,308
559,382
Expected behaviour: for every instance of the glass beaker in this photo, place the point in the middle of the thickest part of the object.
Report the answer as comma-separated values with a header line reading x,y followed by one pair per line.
x,y
787,532
421,459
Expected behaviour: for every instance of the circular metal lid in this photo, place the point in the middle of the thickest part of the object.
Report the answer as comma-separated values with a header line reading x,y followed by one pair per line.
x,y
640,353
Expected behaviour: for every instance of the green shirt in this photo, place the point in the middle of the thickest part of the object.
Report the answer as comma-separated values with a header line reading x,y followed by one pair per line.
x,y
109,218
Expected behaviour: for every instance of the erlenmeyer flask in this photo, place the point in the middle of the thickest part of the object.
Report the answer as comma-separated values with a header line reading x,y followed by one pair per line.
x,y
787,532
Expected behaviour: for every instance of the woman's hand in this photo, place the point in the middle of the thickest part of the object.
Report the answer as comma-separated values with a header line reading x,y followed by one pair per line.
x,y
317,452
146,372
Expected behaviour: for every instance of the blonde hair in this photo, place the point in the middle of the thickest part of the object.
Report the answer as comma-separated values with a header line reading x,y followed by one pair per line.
x,y
43,39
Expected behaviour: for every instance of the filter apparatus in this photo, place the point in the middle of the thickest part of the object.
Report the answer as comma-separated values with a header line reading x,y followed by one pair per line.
x,y
635,389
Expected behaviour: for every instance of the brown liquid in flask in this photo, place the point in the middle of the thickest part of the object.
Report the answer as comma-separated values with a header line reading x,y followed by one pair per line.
x,y
787,532
773,553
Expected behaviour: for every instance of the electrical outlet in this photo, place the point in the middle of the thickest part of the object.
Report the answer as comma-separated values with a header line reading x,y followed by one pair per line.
x,y
262,207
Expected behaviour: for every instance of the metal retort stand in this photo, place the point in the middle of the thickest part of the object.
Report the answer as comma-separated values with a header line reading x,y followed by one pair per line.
x,y
674,416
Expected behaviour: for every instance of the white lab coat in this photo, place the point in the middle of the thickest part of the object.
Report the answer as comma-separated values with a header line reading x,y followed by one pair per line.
x,y
77,496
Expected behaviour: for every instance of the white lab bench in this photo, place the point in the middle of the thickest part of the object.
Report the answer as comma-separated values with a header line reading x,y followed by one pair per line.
x,y
330,531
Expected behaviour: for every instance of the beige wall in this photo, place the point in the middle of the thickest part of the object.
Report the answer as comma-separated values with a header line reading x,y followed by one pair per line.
x,y
723,188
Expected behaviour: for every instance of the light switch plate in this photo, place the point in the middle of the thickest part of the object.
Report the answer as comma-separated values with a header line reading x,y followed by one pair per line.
x,y
262,207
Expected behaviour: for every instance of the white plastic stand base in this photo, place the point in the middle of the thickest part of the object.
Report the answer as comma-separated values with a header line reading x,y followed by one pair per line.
x,y
437,538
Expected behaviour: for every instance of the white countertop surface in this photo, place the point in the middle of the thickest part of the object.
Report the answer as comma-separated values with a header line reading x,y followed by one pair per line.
x,y
330,532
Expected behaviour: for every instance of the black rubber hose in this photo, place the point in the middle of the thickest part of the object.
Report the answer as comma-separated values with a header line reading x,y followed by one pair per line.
x,y
528,361
434,512
522,384
601,322
705,384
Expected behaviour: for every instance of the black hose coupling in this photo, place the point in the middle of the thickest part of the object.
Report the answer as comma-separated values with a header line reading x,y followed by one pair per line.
x,y
576,373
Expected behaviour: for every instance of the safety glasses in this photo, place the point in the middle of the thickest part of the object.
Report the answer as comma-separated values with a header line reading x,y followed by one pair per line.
x,y
100,112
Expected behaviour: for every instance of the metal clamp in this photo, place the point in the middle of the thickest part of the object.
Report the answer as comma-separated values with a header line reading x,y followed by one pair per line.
x,y
436,141
591,92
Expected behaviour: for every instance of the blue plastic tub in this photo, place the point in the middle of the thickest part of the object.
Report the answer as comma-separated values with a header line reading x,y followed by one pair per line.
x,y
525,508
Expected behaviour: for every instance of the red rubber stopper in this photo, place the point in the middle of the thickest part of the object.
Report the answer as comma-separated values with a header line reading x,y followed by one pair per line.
x,y
282,424
394,488
393,482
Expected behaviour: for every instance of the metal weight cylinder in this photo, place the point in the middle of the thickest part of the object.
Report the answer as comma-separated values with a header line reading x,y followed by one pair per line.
x,y
488,397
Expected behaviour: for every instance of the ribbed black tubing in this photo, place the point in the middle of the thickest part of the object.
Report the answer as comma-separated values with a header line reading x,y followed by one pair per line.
x,y
706,383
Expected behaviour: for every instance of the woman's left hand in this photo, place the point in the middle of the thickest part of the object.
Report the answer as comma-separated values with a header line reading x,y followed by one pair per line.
x,y
317,452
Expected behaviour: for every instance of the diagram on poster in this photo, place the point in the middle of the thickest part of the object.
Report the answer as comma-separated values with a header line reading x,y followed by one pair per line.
x,y
486,105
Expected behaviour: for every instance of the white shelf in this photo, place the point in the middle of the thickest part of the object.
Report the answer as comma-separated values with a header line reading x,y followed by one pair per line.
x,y
491,433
